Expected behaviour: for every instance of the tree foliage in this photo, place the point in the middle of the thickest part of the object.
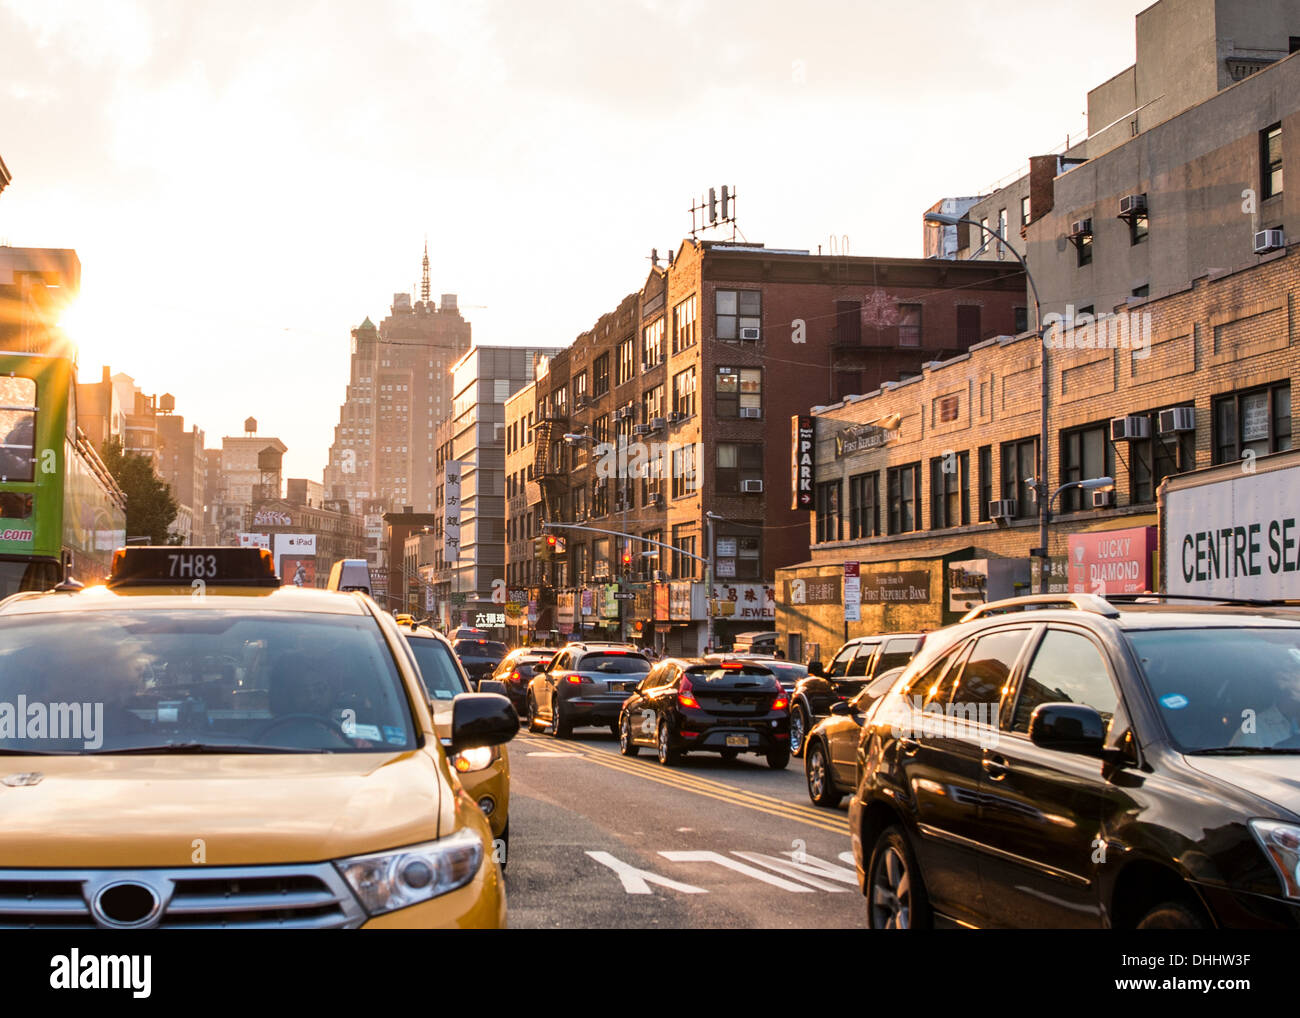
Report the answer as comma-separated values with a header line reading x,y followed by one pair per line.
x,y
150,506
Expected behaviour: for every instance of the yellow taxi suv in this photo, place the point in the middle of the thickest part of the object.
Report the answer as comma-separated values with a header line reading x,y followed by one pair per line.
x,y
194,745
484,770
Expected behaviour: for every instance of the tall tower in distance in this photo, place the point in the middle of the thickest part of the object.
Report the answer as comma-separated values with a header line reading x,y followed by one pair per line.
x,y
399,389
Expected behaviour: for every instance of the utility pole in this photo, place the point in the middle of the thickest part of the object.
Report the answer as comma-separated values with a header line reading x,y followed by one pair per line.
x,y
708,581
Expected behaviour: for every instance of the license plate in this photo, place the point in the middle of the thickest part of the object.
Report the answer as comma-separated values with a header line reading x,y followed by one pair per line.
x,y
737,740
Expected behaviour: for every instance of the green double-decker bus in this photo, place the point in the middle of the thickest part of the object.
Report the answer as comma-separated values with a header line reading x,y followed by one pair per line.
x,y
61,514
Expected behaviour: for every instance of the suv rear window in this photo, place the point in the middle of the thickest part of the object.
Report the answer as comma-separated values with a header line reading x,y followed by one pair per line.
x,y
480,648
616,663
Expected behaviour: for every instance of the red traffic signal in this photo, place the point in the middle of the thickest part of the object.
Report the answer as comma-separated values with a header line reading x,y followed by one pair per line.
x,y
550,542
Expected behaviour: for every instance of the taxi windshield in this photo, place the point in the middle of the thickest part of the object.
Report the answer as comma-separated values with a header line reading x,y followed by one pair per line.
x,y
186,681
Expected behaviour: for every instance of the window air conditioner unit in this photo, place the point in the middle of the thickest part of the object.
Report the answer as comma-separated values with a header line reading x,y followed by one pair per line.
x,y
1002,509
657,422
1103,499
1081,228
658,501
1128,429
642,429
580,403
675,416
751,487
1132,205
750,333
1179,418
1269,240
661,575
752,412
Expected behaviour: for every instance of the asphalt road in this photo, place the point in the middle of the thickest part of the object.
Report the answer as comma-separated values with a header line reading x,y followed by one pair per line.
x,y
598,840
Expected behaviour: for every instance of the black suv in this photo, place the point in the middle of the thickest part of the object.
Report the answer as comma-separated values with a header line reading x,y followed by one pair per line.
x,y
1129,763
854,667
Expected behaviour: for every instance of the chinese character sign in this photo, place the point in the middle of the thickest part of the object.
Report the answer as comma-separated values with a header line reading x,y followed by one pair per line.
x,y
451,512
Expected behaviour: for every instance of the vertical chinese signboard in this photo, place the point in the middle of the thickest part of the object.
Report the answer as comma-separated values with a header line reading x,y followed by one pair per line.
x,y
451,513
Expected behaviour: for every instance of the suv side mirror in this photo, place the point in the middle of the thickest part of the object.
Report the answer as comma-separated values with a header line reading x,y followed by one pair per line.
x,y
841,708
815,668
1068,727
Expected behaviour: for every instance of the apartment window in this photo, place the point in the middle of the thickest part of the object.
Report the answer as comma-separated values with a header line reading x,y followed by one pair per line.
x,y
904,484
1270,157
950,490
864,506
1138,228
684,543
600,429
1019,468
685,480
737,463
1083,250
1024,211
739,314
909,325
652,343
1085,453
826,503
968,325
1162,455
985,455
737,389
600,497
626,361
1022,319
684,392
579,495
745,564
579,386
1253,420
1002,232
652,477
599,376
652,403
684,325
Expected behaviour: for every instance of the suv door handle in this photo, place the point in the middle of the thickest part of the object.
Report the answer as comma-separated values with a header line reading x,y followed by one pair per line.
x,y
995,767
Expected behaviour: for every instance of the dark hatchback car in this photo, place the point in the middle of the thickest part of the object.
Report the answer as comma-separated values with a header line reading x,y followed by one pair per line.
x,y
692,705
515,671
479,657
854,667
583,685
1113,764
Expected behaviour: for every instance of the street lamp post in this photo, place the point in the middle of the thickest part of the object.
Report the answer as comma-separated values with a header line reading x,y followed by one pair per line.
x,y
1044,387
1091,484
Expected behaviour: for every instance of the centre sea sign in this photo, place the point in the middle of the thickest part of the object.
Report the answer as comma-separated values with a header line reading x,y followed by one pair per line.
x,y
1232,532
802,437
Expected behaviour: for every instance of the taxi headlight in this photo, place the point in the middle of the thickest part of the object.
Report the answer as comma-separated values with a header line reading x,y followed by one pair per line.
x,y
470,760
386,881
1281,843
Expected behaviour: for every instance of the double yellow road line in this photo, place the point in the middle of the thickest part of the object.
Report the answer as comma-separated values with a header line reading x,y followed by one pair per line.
x,y
648,770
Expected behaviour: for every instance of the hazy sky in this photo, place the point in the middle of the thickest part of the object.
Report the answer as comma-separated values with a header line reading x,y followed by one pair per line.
x,y
244,182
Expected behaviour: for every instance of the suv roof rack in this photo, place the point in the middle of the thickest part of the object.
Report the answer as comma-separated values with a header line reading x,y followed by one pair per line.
x,y
1042,602
1250,602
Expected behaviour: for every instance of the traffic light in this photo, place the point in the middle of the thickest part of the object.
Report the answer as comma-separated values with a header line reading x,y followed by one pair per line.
x,y
551,541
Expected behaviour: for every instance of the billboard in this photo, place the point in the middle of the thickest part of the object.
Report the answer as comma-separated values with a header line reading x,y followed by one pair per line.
x,y
294,547
255,541
1112,561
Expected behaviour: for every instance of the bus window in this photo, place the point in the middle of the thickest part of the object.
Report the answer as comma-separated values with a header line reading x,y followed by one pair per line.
x,y
17,428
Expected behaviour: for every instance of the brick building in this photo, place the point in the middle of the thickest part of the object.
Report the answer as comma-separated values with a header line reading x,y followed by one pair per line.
x,y
678,403
913,506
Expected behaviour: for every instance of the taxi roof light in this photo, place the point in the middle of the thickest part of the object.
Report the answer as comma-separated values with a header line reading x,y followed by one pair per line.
x,y
171,565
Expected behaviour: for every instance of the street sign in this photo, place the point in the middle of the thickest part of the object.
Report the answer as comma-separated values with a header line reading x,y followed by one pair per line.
x,y
625,596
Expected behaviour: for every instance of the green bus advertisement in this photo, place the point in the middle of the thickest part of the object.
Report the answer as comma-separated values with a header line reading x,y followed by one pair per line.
x,y
61,514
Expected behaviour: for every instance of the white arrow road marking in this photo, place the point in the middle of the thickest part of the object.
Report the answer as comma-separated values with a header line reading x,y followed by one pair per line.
x,y
848,858
638,881
739,867
811,871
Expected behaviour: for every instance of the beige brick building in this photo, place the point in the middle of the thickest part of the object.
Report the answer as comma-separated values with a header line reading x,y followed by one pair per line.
x,y
1226,346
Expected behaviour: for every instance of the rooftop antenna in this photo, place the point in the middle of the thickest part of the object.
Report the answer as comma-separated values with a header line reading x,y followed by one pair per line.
x,y
706,215
424,282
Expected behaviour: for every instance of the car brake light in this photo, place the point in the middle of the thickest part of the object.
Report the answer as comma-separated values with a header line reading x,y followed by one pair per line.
x,y
575,679
684,691
781,702
514,676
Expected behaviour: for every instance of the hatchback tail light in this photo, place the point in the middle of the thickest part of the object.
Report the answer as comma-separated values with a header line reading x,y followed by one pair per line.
x,y
515,676
685,691
575,679
782,701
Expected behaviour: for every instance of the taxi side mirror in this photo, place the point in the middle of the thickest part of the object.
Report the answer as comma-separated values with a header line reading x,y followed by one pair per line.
x,y
481,719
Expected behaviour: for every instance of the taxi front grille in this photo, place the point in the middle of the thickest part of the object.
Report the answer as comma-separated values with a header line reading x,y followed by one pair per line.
x,y
313,896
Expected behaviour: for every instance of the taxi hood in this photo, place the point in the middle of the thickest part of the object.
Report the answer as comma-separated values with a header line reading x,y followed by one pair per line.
x,y
219,810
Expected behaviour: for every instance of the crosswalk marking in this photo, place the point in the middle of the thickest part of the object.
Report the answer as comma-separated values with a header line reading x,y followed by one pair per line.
x,y
739,867
810,874
798,866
